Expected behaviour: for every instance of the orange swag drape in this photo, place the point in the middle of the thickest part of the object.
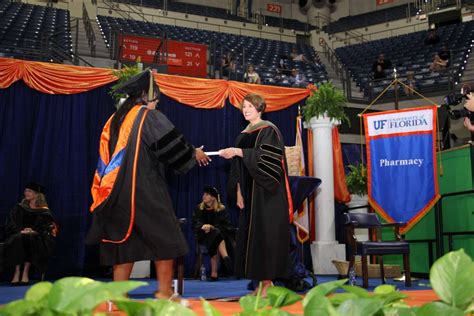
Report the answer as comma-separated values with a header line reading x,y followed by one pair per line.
x,y
199,93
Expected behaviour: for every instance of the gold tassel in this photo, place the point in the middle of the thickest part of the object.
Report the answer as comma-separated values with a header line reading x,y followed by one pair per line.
x,y
151,95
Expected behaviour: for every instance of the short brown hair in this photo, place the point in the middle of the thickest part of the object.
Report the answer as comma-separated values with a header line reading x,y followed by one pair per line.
x,y
257,101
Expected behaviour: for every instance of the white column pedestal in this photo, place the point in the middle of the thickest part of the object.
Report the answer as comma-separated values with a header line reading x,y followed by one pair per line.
x,y
325,248
323,253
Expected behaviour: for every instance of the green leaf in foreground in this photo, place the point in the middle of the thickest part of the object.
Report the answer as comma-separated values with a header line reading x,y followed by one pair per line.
x,y
280,296
209,310
452,278
248,302
438,309
360,306
323,290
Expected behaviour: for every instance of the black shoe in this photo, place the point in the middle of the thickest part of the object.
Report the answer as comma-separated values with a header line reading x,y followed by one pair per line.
x,y
228,264
17,283
23,283
213,279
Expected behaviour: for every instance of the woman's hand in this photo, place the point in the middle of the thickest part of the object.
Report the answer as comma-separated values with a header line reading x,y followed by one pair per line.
x,y
240,198
207,228
27,230
230,152
468,124
201,158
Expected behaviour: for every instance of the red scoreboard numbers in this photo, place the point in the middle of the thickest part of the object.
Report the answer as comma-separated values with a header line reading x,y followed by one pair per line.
x,y
275,8
188,59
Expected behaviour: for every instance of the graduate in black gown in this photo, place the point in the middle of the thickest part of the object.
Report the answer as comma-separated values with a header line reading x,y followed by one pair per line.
x,y
259,184
30,234
213,229
133,215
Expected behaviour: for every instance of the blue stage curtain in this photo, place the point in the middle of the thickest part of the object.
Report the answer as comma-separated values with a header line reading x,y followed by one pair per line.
x,y
53,139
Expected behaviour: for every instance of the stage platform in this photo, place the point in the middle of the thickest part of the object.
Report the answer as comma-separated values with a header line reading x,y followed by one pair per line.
x,y
220,292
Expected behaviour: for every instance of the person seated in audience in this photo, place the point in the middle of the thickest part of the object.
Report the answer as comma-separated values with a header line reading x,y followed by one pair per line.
x,y
30,233
379,73
441,59
382,62
213,230
410,83
432,38
297,80
251,76
228,65
295,56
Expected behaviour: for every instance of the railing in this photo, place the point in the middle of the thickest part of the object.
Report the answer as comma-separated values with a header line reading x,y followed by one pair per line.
x,y
89,30
204,25
393,31
440,233
322,20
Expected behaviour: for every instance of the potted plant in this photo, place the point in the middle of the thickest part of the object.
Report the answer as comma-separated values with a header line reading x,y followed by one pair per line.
x,y
326,103
123,75
356,181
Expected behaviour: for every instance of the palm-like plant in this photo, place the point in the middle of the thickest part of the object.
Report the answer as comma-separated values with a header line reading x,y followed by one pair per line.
x,y
326,101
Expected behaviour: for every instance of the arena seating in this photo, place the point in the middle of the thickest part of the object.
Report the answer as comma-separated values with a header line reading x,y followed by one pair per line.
x,y
289,24
264,54
32,31
219,13
370,18
408,52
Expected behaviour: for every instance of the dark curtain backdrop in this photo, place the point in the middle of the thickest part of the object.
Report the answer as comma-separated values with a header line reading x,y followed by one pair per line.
x,y
53,139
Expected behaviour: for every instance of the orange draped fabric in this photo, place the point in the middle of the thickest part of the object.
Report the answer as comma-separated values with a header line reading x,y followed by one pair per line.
x,y
341,193
276,98
199,93
53,78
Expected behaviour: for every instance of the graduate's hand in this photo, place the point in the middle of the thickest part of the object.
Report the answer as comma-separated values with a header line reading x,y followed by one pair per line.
x,y
201,158
240,201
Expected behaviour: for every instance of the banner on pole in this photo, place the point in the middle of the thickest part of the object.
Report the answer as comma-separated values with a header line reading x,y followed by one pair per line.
x,y
401,163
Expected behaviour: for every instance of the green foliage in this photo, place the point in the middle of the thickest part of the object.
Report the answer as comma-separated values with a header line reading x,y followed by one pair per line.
x,y
326,100
451,276
356,179
124,75
68,296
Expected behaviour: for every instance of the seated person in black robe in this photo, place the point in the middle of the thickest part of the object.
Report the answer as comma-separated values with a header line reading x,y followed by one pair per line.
x,y
30,234
212,229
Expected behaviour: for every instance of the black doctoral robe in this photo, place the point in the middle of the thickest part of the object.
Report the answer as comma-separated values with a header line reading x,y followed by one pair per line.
x,y
156,233
35,247
222,229
264,228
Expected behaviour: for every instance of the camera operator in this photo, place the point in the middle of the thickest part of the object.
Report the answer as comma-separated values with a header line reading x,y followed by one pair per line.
x,y
468,105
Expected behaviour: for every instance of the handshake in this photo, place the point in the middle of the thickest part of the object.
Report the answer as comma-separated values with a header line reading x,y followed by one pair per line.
x,y
203,159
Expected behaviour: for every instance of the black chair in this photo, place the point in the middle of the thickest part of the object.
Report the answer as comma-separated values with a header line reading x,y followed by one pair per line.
x,y
378,247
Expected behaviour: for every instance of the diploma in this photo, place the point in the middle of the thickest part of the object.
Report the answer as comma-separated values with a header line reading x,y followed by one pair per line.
x,y
212,153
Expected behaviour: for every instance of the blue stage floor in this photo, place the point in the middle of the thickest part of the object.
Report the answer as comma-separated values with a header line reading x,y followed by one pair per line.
x,y
208,290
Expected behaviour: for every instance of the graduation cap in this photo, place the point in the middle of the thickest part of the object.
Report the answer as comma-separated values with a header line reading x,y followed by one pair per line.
x,y
35,187
212,191
136,85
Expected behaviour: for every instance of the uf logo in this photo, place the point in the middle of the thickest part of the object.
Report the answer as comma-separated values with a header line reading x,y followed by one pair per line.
x,y
379,124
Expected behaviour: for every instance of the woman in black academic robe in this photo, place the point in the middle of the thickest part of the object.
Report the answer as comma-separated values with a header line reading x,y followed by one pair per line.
x,y
259,183
213,230
29,235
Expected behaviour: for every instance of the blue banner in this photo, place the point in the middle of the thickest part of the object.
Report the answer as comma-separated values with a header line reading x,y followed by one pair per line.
x,y
401,163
